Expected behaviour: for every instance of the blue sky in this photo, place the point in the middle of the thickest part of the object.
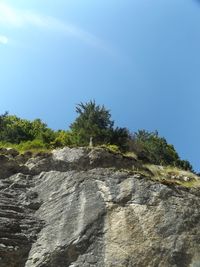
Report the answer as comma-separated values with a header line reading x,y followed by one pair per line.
x,y
140,58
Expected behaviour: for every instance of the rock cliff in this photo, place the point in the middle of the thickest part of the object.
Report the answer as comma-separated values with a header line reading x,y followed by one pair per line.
x,y
92,208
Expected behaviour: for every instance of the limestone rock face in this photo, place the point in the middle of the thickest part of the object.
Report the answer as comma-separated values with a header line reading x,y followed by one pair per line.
x,y
82,208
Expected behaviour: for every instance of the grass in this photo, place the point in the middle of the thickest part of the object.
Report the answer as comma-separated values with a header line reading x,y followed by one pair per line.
x,y
31,146
170,175
111,148
116,150
130,155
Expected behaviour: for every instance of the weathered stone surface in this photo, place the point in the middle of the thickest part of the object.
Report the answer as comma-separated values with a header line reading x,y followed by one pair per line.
x,y
9,166
79,208
18,224
9,152
79,159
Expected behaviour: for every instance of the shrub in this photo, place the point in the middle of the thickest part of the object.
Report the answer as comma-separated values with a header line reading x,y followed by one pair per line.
x,y
34,145
63,138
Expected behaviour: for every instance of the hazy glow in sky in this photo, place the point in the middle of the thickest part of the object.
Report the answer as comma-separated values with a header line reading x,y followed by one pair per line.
x,y
3,39
18,18
138,57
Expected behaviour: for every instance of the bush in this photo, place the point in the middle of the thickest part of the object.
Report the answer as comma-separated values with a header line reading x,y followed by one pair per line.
x,y
15,130
34,145
151,148
63,138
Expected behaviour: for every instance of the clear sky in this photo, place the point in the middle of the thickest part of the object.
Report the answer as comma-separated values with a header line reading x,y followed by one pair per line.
x,y
140,58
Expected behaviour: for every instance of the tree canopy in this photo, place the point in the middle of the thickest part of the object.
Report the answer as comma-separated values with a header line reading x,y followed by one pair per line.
x,y
92,121
95,121
152,148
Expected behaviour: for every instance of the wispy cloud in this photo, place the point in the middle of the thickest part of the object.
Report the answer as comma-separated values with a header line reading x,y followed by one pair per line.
x,y
3,39
22,18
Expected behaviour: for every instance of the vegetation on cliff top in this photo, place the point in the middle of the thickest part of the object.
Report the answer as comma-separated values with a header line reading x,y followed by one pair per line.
x,y
92,123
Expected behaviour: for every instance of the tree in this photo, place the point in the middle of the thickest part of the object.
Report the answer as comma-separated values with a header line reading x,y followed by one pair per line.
x,y
39,130
93,121
154,149
120,137
2,119
62,139
185,165
14,129
3,124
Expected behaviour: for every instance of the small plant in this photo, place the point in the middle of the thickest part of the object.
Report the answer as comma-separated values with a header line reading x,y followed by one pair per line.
x,y
112,148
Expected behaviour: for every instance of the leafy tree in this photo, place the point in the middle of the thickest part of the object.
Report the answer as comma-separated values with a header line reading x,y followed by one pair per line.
x,y
185,164
150,147
93,121
155,149
14,129
37,128
2,120
120,137
63,138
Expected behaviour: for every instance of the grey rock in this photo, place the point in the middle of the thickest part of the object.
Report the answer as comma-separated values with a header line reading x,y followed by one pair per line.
x,y
11,152
79,159
10,166
80,208
18,225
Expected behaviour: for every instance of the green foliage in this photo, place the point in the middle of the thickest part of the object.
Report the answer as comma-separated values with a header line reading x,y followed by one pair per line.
x,y
154,149
112,148
95,121
2,119
34,145
62,139
120,137
15,130
6,145
92,121
185,165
